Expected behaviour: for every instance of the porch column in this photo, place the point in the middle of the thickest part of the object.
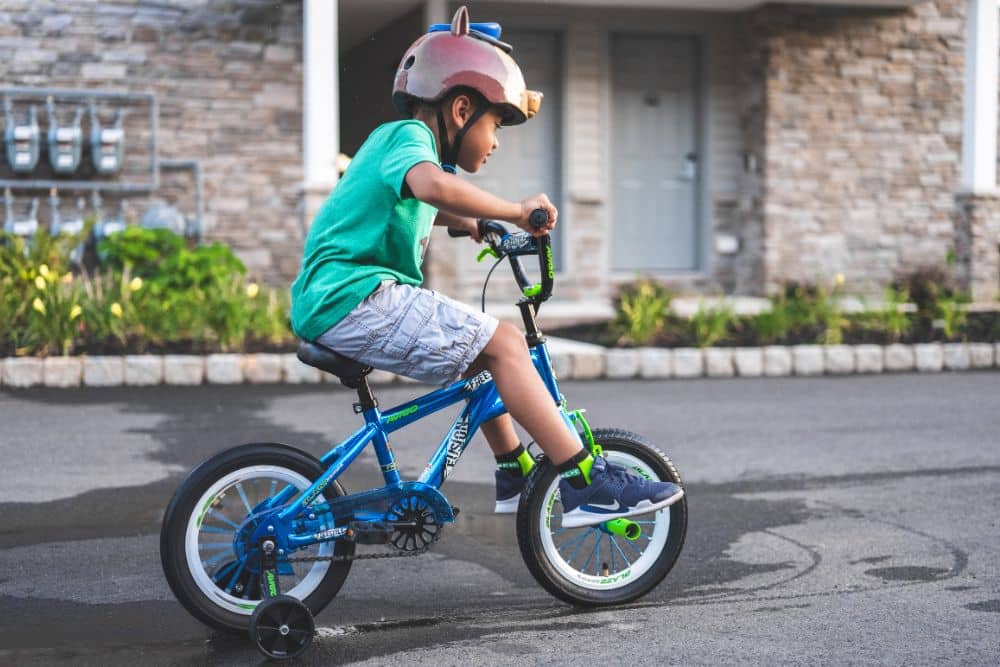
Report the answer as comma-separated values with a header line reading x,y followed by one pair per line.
x,y
979,127
320,103
977,212
435,11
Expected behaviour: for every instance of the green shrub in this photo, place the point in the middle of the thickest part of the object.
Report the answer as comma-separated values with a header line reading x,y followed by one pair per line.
x,y
143,250
892,319
711,325
641,311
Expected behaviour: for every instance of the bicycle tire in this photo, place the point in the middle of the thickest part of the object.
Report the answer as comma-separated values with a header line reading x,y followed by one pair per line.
x,y
555,575
289,462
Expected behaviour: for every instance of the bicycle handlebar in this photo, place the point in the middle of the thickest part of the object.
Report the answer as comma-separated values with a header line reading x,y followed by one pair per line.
x,y
513,246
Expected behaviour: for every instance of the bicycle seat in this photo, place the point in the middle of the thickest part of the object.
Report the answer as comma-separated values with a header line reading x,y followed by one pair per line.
x,y
318,356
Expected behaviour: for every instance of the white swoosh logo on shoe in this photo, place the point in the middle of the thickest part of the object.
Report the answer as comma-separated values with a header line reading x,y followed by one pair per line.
x,y
617,507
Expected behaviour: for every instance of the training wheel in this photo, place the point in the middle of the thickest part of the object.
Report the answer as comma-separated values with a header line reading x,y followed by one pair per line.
x,y
282,627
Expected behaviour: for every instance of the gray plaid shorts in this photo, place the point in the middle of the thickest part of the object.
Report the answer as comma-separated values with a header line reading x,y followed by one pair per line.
x,y
412,331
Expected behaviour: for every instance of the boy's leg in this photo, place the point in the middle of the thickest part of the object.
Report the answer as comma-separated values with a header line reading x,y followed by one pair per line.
x,y
525,396
592,490
499,432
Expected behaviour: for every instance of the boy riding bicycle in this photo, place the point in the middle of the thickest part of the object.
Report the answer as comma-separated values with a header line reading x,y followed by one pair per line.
x,y
359,293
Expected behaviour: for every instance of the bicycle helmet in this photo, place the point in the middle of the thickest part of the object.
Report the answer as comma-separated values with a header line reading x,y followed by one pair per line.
x,y
463,55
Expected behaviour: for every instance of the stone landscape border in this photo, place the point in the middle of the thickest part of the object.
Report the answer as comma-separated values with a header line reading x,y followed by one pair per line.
x,y
572,360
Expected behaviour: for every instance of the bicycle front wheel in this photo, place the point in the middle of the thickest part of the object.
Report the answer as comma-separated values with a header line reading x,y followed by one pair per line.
x,y
592,565
211,568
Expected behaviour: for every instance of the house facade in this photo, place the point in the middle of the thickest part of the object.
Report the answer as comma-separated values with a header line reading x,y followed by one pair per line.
x,y
722,146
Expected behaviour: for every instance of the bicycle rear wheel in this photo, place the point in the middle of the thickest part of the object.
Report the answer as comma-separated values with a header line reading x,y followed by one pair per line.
x,y
207,561
590,565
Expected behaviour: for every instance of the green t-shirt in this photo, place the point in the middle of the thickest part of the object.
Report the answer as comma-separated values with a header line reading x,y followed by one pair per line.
x,y
366,231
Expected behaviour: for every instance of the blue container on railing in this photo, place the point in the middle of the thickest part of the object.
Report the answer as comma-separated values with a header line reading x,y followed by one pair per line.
x,y
106,226
22,140
70,225
65,141
107,144
25,227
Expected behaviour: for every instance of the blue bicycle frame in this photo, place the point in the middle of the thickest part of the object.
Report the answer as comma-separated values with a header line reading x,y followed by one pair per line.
x,y
484,404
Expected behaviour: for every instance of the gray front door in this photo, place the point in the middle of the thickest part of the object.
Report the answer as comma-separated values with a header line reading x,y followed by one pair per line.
x,y
654,151
527,161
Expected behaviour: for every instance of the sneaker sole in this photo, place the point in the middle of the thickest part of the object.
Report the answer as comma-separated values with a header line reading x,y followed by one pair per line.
x,y
508,506
578,518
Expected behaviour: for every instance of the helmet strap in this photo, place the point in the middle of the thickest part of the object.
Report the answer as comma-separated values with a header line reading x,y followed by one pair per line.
x,y
449,150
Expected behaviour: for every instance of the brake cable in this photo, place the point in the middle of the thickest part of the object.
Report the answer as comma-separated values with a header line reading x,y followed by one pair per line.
x,y
487,281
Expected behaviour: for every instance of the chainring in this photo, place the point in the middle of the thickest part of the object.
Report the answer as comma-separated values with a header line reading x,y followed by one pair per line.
x,y
417,526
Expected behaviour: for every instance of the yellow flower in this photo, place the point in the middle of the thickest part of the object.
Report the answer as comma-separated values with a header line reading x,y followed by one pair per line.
x,y
74,312
116,309
135,284
38,305
40,282
839,279
43,270
253,290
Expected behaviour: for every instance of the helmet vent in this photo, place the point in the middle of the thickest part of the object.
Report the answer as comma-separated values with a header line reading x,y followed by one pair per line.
x,y
409,62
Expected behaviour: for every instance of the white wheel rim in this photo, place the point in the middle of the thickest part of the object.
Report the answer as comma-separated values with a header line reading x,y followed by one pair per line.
x,y
202,560
625,564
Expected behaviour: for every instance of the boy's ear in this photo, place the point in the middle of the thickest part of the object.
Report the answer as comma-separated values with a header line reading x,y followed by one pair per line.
x,y
461,108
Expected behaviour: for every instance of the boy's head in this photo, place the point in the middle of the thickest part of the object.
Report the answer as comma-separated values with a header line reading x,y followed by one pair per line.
x,y
465,67
464,110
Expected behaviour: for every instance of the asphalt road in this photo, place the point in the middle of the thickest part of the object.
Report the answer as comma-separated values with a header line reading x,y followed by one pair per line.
x,y
832,521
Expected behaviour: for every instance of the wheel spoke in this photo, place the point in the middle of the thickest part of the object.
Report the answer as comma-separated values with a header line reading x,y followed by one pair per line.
x,y
611,542
569,560
576,539
243,497
218,576
213,529
215,515
624,557
211,546
632,546
236,576
587,562
597,561
214,559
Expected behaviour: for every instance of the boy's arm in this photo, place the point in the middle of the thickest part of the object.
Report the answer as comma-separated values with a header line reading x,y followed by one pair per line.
x,y
464,224
449,193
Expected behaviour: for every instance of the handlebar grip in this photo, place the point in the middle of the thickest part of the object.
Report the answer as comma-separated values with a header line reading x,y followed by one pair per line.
x,y
457,233
539,218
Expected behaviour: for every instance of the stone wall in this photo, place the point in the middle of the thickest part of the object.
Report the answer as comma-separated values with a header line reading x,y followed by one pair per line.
x,y
860,142
228,78
977,245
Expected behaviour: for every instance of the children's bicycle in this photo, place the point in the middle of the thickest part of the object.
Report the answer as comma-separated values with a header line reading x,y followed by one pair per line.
x,y
262,536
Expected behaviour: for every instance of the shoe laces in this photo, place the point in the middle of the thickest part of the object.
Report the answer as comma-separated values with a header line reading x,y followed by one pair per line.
x,y
621,474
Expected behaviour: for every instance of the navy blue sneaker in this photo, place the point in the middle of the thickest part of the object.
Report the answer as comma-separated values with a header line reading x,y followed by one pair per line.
x,y
614,493
510,483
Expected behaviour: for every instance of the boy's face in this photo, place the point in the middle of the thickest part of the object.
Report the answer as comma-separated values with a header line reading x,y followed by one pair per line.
x,y
479,142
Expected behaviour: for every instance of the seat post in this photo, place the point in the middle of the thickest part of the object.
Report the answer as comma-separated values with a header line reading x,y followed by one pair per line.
x,y
366,399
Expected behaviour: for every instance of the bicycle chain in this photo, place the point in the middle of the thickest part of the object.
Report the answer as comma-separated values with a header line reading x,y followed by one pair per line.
x,y
345,559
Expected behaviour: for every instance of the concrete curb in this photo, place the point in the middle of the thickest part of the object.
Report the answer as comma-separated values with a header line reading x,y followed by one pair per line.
x,y
572,361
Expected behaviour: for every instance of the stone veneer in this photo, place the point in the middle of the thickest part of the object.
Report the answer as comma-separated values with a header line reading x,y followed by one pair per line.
x,y
854,119
228,78
977,244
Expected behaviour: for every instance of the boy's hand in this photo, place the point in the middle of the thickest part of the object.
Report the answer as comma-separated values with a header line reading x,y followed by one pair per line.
x,y
530,204
471,225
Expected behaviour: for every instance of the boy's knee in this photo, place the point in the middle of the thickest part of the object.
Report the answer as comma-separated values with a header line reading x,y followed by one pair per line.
x,y
507,340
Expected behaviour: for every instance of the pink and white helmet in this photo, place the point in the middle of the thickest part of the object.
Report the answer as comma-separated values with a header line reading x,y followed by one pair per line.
x,y
442,60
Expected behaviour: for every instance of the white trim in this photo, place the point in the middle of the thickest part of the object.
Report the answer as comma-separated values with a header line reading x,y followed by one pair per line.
x,y
979,121
320,93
